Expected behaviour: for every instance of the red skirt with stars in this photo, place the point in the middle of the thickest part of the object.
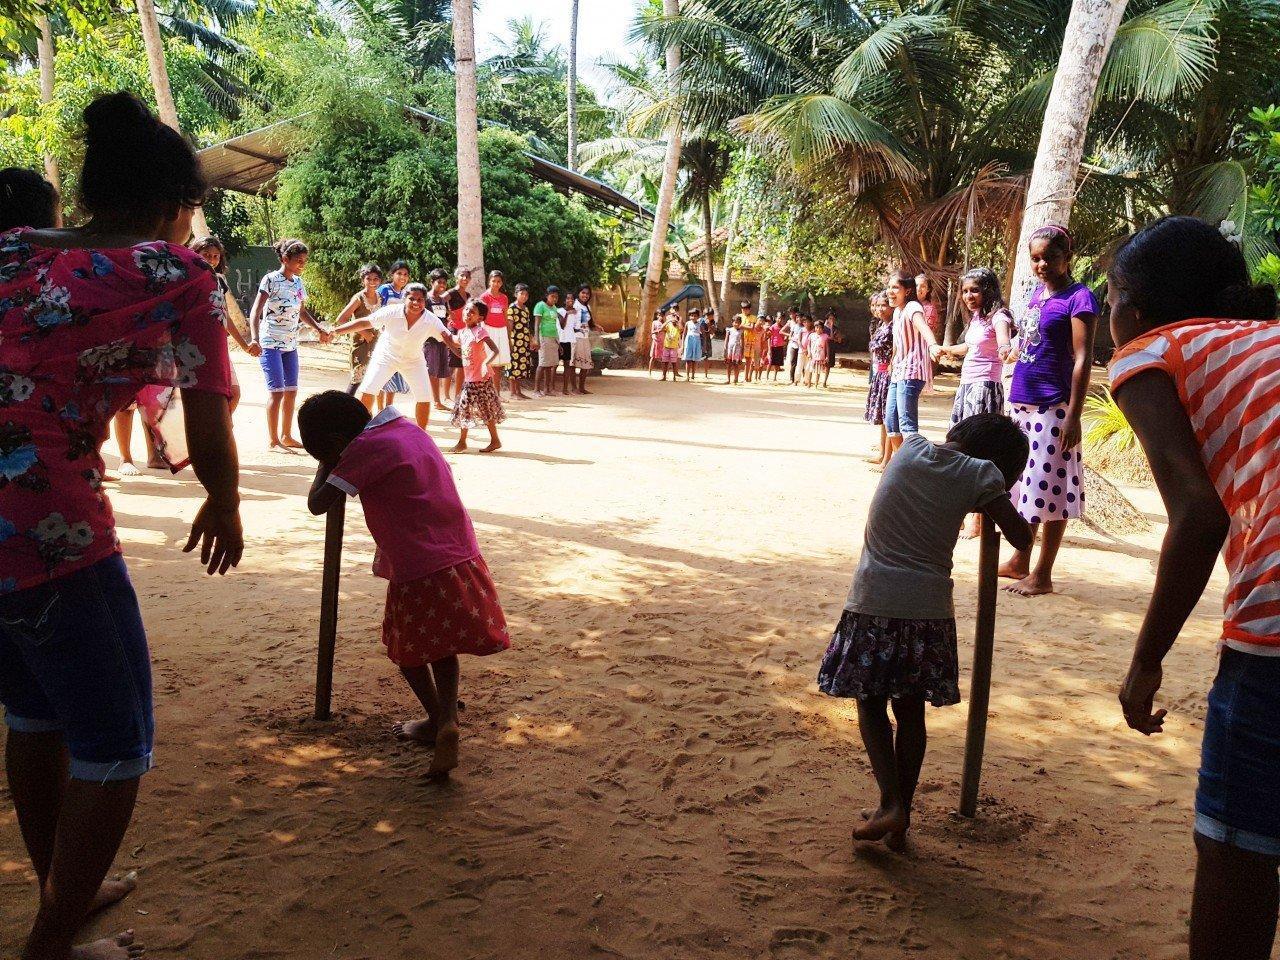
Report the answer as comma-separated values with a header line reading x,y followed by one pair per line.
x,y
448,613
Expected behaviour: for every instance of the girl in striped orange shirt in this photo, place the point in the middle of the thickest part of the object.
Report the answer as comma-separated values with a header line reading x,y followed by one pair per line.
x,y
1203,396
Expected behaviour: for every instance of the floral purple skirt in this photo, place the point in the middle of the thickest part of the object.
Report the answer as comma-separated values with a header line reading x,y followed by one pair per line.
x,y
477,406
871,657
877,397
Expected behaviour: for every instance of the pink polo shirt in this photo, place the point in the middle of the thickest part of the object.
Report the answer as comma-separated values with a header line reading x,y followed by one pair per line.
x,y
410,501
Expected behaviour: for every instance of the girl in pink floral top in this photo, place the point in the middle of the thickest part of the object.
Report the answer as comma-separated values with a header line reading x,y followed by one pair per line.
x,y
89,319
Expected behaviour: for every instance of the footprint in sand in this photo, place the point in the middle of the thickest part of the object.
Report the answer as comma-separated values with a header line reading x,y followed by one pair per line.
x,y
792,942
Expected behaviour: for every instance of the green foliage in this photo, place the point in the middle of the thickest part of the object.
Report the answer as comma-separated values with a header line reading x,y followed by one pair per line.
x,y
1110,440
372,186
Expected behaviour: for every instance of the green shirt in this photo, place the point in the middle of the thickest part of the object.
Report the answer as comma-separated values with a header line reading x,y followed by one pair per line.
x,y
548,319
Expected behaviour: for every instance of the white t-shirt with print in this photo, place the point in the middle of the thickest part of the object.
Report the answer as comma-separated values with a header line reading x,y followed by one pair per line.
x,y
281,310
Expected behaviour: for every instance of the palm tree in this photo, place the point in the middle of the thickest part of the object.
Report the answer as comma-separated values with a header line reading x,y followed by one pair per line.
x,y
572,108
1090,32
420,27
705,161
470,211
44,43
652,291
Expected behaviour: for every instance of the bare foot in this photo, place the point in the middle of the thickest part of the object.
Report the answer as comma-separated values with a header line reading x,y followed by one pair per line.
x,y
1032,585
897,842
120,947
446,755
291,443
113,891
129,469
155,463
458,447
585,392
491,447
882,823
971,529
444,408
418,731
1011,571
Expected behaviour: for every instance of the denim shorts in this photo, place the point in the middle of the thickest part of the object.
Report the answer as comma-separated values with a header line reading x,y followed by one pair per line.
x,y
902,409
74,660
1238,798
280,368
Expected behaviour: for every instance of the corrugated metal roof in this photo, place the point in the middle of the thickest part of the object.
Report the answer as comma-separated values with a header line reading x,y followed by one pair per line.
x,y
249,164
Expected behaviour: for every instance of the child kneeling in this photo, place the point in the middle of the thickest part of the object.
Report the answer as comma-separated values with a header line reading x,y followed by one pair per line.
x,y
441,601
896,641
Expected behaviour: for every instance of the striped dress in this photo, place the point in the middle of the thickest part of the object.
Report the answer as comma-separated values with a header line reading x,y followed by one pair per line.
x,y
1227,374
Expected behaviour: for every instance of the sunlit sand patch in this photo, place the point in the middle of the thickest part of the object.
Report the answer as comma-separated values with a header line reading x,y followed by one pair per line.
x,y
520,731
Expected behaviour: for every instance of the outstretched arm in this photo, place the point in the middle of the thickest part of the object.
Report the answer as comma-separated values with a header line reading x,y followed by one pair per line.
x,y
1198,525
352,326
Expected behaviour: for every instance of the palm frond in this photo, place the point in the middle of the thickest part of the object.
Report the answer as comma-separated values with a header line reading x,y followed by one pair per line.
x,y
871,58
1167,50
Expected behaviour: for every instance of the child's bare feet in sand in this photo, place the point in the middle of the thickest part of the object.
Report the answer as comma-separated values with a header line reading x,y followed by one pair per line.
x,y
972,528
1032,585
1012,571
881,824
120,947
458,447
446,755
897,842
291,443
418,731
113,891
129,469
491,447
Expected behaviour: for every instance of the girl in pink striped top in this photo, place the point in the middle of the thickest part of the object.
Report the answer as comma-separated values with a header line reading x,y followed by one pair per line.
x,y
913,347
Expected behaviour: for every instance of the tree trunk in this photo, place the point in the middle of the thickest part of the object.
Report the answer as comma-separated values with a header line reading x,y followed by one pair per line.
x,y
651,295
45,54
708,254
467,123
1051,194
730,237
763,306
573,85
154,43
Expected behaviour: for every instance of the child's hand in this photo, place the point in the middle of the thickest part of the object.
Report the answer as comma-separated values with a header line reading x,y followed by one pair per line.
x,y
1137,697
1071,433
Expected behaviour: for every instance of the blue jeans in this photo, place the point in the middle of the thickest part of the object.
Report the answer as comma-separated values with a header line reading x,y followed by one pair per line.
x,y
1240,756
74,660
902,409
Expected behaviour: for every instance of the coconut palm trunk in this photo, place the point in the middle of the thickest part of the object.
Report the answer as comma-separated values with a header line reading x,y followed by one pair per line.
x,y
470,225
154,43
1052,192
729,239
44,55
708,253
572,107
651,295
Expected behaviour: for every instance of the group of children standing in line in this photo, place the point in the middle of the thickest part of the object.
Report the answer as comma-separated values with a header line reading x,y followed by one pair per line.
x,y
755,347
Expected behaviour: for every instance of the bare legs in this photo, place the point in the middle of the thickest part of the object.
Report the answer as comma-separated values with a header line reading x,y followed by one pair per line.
x,y
422,413
895,762
1233,908
122,426
1035,582
72,830
494,442
436,688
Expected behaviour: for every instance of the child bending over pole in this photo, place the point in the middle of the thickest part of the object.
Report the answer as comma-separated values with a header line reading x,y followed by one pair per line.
x,y
441,601
896,641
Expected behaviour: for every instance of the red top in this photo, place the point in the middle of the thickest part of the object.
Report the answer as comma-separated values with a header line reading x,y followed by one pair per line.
x,y
497,304
82,332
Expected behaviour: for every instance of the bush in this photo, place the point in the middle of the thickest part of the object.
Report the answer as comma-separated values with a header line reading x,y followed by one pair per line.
x,y
374,186
1110,443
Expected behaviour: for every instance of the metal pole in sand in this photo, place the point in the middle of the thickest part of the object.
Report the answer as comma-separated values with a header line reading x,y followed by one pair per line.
x,y
980,685
333,527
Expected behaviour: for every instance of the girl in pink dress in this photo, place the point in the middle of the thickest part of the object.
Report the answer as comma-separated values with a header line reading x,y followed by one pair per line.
x,y
478,404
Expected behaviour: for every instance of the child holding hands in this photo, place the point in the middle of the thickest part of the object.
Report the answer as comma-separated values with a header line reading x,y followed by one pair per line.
x,y
479,403
896,641
441,601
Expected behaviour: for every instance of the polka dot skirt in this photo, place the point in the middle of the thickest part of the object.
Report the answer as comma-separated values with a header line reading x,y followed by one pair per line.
x,y
1052,486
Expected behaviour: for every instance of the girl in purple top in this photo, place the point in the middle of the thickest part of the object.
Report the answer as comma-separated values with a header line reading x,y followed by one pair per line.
x,y
1050,381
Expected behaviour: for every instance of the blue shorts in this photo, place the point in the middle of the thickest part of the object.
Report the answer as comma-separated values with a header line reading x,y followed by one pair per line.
x,y
902,408
74,660
1236,800
281,368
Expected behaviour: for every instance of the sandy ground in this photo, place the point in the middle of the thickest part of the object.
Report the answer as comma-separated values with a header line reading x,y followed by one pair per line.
x,y
649,772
